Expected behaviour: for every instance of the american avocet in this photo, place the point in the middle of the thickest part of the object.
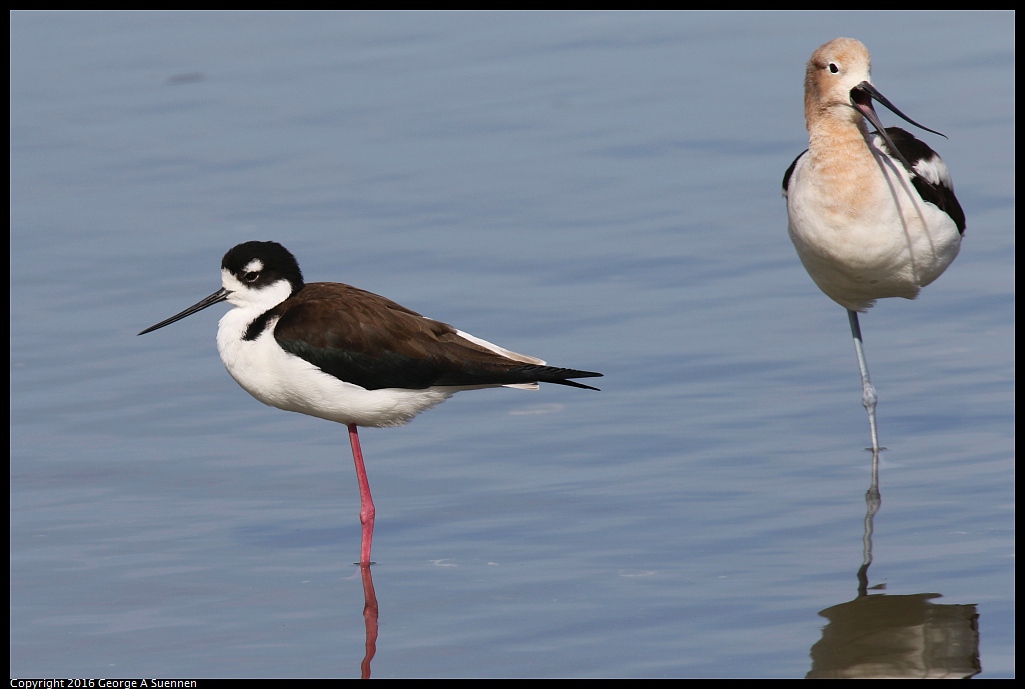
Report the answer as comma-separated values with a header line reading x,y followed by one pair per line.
x,y
342,354
872,215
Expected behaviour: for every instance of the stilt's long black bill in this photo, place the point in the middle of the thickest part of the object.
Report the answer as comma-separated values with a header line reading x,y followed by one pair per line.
x,y
217,297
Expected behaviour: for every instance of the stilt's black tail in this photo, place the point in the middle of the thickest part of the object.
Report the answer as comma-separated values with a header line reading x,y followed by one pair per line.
x,y
558,376
524,373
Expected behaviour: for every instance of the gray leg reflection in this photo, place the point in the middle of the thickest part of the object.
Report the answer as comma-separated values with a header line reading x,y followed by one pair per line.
x,y
905,636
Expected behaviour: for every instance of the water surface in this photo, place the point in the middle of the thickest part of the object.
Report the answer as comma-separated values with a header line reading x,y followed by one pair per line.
x,y
598,189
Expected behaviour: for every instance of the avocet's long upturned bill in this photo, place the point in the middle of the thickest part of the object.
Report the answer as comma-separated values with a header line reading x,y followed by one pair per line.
x,y
342,354
872,215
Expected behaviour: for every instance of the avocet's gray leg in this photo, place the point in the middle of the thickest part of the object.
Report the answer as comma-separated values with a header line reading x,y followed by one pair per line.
x,y
868,392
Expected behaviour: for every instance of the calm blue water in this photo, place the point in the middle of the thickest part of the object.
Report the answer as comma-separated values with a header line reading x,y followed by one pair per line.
x,y
598,189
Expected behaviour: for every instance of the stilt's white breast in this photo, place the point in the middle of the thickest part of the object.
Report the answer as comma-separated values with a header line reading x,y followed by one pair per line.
x,y
283,380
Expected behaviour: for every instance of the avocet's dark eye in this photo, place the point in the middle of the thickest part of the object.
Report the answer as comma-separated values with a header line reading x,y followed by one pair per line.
x,y
833,69
251,276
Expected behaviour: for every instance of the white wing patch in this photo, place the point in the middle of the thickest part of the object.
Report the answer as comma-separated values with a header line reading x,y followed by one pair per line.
x,y
501,351
935,171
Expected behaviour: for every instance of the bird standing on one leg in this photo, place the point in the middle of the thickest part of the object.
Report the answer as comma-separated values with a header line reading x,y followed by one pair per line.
x,y
872,214
346,355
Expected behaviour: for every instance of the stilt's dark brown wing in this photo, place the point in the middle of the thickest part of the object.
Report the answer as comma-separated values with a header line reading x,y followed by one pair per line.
x,y
371,341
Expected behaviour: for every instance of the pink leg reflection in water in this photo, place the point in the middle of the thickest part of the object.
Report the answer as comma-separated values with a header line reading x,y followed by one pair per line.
x,y
370,618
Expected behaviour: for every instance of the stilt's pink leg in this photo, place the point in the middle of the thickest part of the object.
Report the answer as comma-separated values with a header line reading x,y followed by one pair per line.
x,y
366,503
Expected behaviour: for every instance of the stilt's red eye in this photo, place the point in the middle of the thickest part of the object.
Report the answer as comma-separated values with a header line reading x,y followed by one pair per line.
x,y
251,276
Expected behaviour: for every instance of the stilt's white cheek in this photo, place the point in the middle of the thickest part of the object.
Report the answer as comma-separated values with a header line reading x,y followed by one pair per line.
x,y
230,282
248,296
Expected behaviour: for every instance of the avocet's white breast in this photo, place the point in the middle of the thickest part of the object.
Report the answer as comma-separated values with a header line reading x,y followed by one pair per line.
x,y
887,242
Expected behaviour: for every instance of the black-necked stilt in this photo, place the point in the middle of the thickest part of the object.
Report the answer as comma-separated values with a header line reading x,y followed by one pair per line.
x,y
342,354
872,215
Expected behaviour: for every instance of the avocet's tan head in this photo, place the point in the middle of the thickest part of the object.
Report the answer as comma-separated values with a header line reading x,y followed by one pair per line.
x,y
838,91
834,71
